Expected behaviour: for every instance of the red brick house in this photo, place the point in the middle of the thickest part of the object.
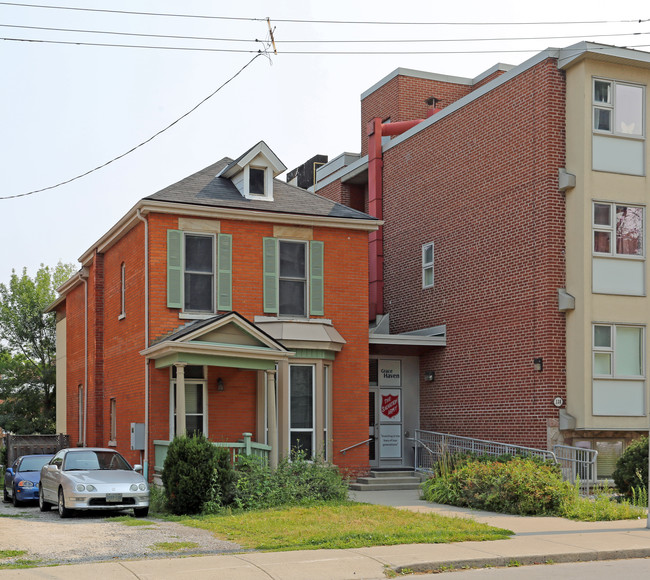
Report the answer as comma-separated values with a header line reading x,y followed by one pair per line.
x,y
227,303
508,284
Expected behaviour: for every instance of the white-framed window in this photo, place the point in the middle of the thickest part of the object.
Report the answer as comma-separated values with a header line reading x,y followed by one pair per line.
x,y
427,265
618,108
112,437
256,181
618,229
326,388
80,412
198,272
122,292
196,397
292,280
302,409
618,351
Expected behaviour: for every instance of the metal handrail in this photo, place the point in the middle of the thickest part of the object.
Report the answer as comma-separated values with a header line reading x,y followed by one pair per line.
x,y
356,445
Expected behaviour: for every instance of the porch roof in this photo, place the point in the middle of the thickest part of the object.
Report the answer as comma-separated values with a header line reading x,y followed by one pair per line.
x,y
226,340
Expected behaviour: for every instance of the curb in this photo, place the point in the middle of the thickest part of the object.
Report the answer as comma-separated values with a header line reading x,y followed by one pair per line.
x,y
514,561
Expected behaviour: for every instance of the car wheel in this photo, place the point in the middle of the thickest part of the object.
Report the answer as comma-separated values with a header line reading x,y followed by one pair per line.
x,y
16,501
141,512
42,504
64,512
5,495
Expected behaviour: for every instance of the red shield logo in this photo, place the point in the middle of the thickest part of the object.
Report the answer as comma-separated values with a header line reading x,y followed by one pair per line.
x,y
390,405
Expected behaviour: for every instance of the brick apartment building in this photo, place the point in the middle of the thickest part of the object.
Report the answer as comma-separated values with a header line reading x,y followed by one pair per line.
x,y
232,296
508,284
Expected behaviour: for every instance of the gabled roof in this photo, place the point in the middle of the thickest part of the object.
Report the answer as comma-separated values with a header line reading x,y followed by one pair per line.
x,y
224,340
206,188
238,164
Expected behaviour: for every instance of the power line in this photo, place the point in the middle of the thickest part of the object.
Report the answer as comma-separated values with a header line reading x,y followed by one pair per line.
x,y
316,21
325,41
292,52
143,142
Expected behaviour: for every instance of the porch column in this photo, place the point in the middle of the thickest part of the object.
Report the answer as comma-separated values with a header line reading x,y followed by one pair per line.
x,y
180,399
272,418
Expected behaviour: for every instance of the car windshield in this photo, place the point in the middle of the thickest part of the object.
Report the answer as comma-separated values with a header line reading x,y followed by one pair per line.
x,y
94,460
33,463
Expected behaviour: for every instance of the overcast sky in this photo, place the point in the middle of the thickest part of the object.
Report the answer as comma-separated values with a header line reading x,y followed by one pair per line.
x,y
68,108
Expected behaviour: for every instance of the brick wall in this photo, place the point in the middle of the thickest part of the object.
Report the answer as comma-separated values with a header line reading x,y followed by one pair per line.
x,y
484,182
403,98
116,369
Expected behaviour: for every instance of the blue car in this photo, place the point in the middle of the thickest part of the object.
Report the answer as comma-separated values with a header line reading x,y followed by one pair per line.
x,y
23,477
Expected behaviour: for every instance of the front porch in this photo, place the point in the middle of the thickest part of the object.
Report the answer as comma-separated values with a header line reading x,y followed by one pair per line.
x,y
245,446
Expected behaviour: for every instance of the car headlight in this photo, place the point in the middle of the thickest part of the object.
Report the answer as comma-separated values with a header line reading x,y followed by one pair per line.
x,y
134,487
82,487
25,483
143,487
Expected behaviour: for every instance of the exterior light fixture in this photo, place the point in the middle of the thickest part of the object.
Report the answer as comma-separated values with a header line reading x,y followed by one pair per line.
x,y
429,376
538,364
219,384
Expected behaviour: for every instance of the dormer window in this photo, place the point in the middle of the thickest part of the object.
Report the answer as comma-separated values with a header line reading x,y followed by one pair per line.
x,y
256,178
253,172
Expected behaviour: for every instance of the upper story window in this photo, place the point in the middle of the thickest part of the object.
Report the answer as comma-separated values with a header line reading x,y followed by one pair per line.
x,y
293,277
199,272
122,292
256,179
618,351
198,295
427,265
618,108
618,229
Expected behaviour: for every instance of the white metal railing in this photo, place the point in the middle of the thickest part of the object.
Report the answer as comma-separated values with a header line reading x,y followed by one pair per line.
x,y
431,446
575,462
355,445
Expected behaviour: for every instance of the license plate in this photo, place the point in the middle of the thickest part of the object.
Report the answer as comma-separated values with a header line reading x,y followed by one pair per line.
x,y
113,497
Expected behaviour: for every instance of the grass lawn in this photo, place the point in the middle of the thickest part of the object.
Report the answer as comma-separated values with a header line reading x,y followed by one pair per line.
x,y
341,525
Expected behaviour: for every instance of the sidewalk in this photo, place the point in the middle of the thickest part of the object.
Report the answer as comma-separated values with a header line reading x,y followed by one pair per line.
x,y
536,540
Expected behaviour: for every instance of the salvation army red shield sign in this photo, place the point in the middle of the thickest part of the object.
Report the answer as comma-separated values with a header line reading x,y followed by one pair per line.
x,y
390,405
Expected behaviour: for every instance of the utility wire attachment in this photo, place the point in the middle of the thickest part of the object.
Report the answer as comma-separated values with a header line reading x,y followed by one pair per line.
x,y
275,50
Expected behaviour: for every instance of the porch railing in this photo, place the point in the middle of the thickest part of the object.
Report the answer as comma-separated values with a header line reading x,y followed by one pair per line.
x,y
574,462
245,446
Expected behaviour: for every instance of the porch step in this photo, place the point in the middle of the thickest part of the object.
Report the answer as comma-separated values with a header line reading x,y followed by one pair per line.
x,y
388,480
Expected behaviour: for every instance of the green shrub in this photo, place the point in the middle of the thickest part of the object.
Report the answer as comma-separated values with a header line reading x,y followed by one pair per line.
x,y
632,467
294,482
195,472
600,506
516,486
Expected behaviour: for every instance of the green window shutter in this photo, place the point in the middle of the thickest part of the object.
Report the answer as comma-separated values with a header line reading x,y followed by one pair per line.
x,y
270,275
174,268
316,279
224,272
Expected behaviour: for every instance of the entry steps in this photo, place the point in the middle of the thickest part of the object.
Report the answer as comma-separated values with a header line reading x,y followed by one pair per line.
x,y
388,480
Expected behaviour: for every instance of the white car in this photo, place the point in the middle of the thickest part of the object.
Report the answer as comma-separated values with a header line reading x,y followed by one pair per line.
x,y
89,478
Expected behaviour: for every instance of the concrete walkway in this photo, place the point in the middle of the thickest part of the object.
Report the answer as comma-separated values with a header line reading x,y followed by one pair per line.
x,y
536,540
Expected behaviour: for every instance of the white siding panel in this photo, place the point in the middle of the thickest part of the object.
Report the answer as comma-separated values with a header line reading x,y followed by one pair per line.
x,y
619,398
618,276
618,155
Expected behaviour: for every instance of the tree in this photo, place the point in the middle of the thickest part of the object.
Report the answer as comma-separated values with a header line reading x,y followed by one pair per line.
x,y
27,350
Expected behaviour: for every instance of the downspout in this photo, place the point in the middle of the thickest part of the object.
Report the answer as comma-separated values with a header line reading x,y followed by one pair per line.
x,y
376,129
145,468
84,278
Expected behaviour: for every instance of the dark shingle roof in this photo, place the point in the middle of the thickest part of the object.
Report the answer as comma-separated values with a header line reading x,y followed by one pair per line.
x,y
206,189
